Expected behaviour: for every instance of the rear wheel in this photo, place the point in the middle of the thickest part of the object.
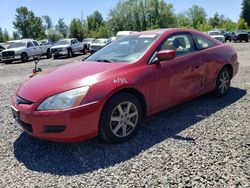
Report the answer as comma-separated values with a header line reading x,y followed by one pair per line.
x,y
121,118
24,57
223,82
48,54
84,50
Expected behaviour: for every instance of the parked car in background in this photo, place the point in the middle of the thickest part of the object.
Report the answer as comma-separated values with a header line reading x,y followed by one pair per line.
x,y
124,33
98,44
46,44
239,36
217,35
2,47
111,39
86,44
22,50
249,35
136,76
66,47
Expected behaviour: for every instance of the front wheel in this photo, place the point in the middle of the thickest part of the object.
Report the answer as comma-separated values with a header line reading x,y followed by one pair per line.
x,y
24,57
70,53
121,118
223,82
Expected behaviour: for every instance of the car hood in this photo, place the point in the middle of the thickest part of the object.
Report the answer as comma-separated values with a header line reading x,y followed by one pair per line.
x,y
14,49
217,36
60,46
65,78
98,44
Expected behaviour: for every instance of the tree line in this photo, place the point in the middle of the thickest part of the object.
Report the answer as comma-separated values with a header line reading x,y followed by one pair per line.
x,y
135,15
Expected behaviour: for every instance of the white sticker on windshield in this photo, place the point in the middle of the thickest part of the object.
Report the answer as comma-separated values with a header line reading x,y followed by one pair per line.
x,y
147,36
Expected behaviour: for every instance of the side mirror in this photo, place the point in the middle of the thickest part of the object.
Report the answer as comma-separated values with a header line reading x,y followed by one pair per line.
x,y
166,55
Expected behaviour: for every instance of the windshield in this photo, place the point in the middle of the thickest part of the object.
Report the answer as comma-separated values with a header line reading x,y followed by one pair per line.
x,y
100,41
62,42
17,44
214,33
44,42
126,49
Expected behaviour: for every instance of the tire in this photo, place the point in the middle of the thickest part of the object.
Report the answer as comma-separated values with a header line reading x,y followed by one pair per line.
x,y
24,58
116,123
84,50
223,82
55,57
48,54
247,40
70,53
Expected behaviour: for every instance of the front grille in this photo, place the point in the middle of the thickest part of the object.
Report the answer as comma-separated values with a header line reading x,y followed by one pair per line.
x,y
20,100
8,53
26,126
56,50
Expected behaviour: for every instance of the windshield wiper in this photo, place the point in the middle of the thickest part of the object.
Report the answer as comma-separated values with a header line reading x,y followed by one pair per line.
x,y
104,60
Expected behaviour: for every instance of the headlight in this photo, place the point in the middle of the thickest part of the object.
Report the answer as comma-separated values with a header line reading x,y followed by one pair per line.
x,y
65,100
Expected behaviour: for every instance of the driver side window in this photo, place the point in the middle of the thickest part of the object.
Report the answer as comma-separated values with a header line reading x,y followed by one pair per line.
x,y
182,43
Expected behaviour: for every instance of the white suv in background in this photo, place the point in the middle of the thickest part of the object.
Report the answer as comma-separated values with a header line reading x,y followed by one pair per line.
x,y
21,50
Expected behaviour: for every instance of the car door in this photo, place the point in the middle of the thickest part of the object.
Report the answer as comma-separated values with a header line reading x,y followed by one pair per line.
x,y
37,48
73,45
30,49
179,79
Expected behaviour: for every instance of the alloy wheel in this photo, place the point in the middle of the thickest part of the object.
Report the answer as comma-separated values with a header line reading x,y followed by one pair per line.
x,y
224,82
124,119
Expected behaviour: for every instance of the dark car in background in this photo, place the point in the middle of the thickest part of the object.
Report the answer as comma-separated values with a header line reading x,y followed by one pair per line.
x,y
2,47
239,36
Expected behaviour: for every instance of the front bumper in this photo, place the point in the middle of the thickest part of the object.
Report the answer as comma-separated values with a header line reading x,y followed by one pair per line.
x,y
59,53
70,125
11,58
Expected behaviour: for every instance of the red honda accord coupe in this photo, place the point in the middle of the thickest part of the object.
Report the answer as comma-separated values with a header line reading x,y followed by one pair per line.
x,y
110,92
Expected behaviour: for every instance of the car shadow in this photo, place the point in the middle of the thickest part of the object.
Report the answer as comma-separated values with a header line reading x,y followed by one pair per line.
x,y
78,158
66,57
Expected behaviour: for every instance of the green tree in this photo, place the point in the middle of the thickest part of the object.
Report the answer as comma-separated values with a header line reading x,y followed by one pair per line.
x,y
197,16
6,36
245,13
141,15
242,25
94,20
215,20
54,35
27,24
47,22
61,27
76,29
1,35
182,20
15,35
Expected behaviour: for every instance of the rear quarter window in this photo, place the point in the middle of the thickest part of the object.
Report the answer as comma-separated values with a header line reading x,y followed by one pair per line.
x,y
204,43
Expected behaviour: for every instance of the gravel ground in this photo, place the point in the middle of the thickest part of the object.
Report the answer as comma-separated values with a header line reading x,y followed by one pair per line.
x,y
202,143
